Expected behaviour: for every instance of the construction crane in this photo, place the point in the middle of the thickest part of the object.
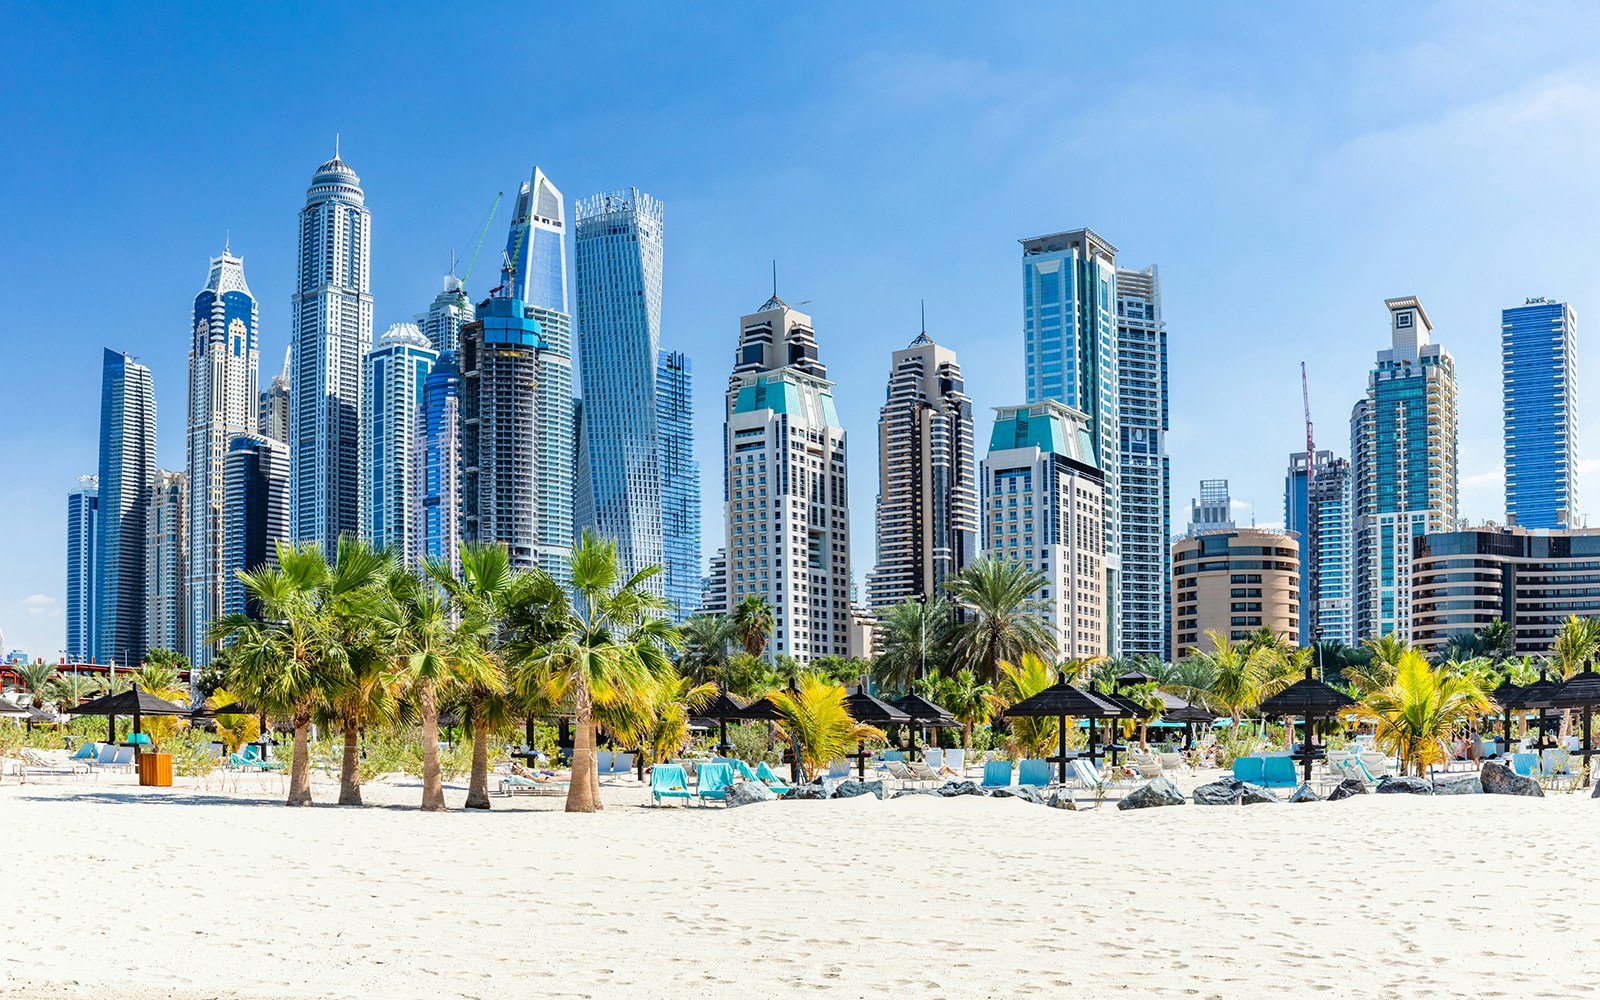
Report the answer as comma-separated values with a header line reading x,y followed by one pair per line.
x,y
508,270
1308,607
476,246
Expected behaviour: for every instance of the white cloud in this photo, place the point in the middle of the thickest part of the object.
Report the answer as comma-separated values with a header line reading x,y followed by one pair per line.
x,y
40,605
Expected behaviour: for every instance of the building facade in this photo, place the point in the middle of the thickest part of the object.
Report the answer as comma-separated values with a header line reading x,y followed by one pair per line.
x,y
1070,348
1213,510
1533,579
127,477
680,483
1043,504
786,495
1144,470
256,478
272,411
927,503
223,402
619,259
330,333
1233,582
1539,379
1317,508
166,624
449,311
83,508
438,517
391,398
1403,446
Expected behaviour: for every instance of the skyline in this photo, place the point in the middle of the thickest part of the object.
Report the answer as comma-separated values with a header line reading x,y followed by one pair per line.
x,y
1295,191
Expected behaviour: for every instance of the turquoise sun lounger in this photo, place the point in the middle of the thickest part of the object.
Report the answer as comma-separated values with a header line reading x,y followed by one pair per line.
x,y
1033,772
1278,772
772,781
715,780
996,774
667,781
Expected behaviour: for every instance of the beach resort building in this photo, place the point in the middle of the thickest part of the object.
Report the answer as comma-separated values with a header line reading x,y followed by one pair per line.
x,y
927,503
1043,505
1403,453
1539,378
1316,506
1533,579
786,497
393,376
164,555
1234,581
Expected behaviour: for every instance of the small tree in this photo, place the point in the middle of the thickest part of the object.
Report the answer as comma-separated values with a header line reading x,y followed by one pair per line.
x,y
818,724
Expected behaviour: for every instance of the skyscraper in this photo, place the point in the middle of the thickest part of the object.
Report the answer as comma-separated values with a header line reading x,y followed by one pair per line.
x,y
1316,507
441,324
438,520
1042,505
1070,341
680,483
164,586
83,506
391,396
786,496
256,477
927,503
127,477
1144,471
222,403
619,254
1539,373
331,332
1214,510
1403,446
537,250
272,413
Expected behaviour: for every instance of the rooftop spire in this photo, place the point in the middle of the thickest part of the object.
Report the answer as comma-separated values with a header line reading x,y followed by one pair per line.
x,y
335,145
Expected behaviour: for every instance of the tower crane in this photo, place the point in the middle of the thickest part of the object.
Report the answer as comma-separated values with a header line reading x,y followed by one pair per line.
x,y
478,245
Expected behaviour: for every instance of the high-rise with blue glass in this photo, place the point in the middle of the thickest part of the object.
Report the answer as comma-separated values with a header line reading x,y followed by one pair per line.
x,y
391,397
537,276
83,507
619,259
680,483
223,371
1539,370
330,333
1144,471
1316,507
1403,449
1070,340
127,480
438,520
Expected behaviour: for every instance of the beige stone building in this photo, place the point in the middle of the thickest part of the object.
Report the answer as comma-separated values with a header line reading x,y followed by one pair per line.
x,y
1234,581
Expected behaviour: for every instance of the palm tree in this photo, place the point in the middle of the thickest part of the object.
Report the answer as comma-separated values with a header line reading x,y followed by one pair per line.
x,y
1030,736
1148,697
968,700
234,731
610,647
1497,640
1238,674
1420,711
1004,619
68,690
1383,658
912,635
819,727
659,725
753,623
1575,645
36,678
290,661
707,640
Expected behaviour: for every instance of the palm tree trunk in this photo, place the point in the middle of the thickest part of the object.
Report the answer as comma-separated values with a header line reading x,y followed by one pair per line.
x,y
583,791
432,785
478,787
349,775
966,737
300,766
1144,745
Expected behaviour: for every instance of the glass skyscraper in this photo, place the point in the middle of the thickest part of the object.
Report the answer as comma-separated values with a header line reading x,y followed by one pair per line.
x,y
680,482
256,484
391,398
438,523
1403,449
1317,507
1070,351
1539,375
223,366
164,586
83,506
619,257
330,334
127,477
441,324
1145,472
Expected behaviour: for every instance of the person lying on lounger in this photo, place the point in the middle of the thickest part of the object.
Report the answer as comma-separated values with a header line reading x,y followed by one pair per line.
x,y
522,772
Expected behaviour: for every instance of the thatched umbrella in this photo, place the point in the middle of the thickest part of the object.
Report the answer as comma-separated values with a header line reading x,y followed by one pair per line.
x,y
1508,696
1311,699
132,702
1582,691
722,708
924,715
1064,701
870,711
1190,715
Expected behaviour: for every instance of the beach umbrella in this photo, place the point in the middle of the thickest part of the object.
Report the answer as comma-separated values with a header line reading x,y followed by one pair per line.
x,y
721,709
1133,677
132,702
1539,695
924,715
1582,691
870,711
10,709
1062,700
1190,715
1310,699
1508,696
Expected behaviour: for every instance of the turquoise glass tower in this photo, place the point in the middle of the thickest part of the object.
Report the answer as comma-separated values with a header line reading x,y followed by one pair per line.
x,y
127,479
680,482
1539,370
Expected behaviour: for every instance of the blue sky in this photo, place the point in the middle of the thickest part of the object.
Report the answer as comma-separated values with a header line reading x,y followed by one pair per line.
x,y
1287,166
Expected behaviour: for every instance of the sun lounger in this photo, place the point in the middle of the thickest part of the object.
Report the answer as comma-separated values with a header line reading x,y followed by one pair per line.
x,y
956,760
922,772
1172,761
889,755
36,765
1033,772
899,771
715,780
545,784
667,781
1248,769
1278,772
774,784
996,774
1147,766
934,758
1090,776
1377,764
1524,763
86,753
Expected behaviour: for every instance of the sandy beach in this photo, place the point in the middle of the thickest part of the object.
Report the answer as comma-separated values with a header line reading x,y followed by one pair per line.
x,y
138,893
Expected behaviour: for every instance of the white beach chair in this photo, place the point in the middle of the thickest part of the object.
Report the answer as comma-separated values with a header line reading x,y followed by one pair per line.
x,y
1173,761
1377,764
956,760
622,763
1147,765
933,757
900,772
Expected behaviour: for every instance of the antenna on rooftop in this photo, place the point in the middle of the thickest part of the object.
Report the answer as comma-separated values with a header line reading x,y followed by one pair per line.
x,y
335,145
774,277
924,315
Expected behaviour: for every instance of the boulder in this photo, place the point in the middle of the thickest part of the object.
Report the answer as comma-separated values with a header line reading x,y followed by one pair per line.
x,y
954,788
1156,792
849,788
1501,780
1396,784
743,793
1027,793
1252,795
1347,788
1219,793
822,788
1470,785
1305,793
1062,800
902,793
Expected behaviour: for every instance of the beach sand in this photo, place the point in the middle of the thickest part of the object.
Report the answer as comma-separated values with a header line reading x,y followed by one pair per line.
x,y
188,893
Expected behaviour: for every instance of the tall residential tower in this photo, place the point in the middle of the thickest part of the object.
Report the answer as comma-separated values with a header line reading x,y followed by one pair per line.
x,y
83,508
1539,374
1144,471
127,478
391,396
680,483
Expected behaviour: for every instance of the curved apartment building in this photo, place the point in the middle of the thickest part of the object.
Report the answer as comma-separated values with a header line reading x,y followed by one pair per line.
x,y
1234,581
